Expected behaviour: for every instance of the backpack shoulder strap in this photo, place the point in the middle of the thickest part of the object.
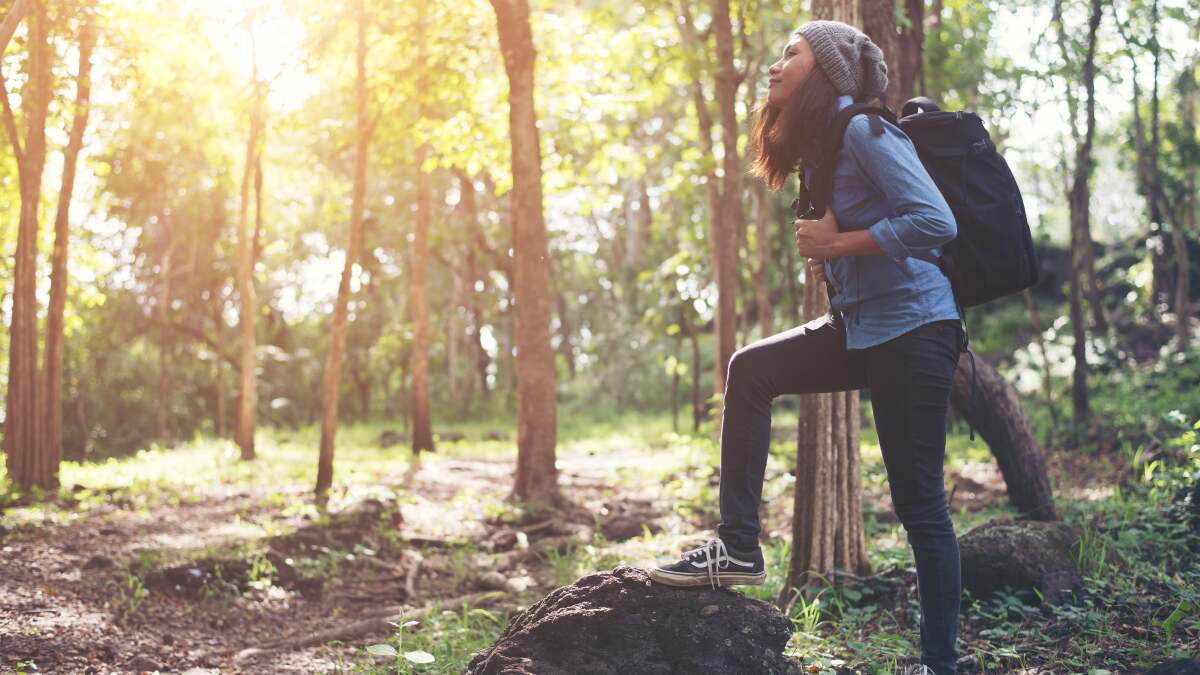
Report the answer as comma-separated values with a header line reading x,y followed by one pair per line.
x,y
822,183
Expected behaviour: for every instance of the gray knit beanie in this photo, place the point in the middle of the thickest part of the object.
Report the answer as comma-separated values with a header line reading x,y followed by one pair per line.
x,y
852,61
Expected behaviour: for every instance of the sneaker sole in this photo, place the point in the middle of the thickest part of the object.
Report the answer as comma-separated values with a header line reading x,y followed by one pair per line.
x,y
727,578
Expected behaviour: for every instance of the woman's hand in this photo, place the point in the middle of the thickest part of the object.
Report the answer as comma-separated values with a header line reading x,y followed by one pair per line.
x,y
816,269
815,238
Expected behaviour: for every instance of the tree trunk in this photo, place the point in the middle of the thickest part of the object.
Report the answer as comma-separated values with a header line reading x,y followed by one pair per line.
x,y
1047,379
1181,230
732,219
248,396
725,317
52,370
331,382
912,41
219,423
27,465
879,23
827,531
422,438
537,476
1079,200
566,347
475,278
164,334
761,272
994,410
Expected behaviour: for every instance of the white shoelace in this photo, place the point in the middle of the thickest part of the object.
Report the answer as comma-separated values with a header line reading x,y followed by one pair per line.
x,y
711,564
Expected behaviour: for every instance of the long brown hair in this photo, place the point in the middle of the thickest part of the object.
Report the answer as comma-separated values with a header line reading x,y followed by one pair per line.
x,y
783,136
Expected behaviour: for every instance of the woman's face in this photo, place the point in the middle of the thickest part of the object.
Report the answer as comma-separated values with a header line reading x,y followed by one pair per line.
x,y
790,70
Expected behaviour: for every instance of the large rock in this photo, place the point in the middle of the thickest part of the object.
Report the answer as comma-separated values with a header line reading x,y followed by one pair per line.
x,y
621,623
1177,667
1021,554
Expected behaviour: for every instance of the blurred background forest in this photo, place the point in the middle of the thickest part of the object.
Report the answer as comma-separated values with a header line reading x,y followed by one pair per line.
x,y
152,317
231,227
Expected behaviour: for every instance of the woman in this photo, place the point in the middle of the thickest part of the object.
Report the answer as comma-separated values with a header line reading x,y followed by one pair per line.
x,y
877,246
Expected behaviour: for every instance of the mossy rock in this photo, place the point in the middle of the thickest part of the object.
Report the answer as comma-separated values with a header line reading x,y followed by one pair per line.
x,y
1022,555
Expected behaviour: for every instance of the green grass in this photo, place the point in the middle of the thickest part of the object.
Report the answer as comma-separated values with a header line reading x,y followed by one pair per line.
x,y
1138,566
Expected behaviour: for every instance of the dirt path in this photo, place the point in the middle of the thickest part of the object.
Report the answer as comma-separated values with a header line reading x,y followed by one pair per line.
x,y
68,606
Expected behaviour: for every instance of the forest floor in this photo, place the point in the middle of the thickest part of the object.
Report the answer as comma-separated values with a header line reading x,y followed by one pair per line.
x,y
187,560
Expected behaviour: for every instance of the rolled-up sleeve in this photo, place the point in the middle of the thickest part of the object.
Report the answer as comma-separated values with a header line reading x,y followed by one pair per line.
x,y
920,217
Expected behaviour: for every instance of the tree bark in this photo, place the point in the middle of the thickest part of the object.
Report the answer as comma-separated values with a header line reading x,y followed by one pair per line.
x,y
879,23
761,272
725,316
537,476
1082,246
1079,200
331,382
827,531
422,437
1047,379
1181,230
732,219
164,334
219,423
52,370
566,347
995,412
248,305
912,42
27,465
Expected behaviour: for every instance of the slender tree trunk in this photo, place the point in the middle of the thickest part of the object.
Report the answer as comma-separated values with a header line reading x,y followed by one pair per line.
x,y
728,79
422,438
1047,379
698,412
331,382
725,317
1159,210
761,272
248,397
52,370
475,278
537,476
827,530
219,423
1079,200
566,348
27,465
164,333
1180,230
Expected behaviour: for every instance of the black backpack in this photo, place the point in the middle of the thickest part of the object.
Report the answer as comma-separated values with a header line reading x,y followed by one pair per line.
x,y
992,255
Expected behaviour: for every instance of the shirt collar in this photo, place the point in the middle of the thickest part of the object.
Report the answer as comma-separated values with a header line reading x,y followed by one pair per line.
x,y
844,100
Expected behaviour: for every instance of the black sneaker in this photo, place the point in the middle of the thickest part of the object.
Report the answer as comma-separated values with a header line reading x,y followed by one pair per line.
x,y
713,565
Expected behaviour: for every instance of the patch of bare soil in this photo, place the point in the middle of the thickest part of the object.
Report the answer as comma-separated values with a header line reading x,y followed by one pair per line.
x,y
189,583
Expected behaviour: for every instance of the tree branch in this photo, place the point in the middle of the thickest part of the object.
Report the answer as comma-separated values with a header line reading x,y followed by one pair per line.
x,y
10,122
18,11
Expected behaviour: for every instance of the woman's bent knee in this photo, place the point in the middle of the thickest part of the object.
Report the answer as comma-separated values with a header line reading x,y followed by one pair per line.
x,y
750,370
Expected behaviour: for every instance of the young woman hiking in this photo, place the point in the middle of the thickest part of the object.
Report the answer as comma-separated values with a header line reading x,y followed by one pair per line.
x,y
893,328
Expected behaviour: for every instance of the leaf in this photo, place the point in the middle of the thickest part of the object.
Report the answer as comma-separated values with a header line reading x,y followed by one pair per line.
x,y
419,657
382,650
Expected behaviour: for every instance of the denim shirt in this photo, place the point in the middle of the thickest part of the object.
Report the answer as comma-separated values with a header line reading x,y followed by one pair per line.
x,y
880,185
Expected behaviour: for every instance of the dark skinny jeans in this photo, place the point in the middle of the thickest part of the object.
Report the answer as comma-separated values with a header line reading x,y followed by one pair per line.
x,y
909,378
